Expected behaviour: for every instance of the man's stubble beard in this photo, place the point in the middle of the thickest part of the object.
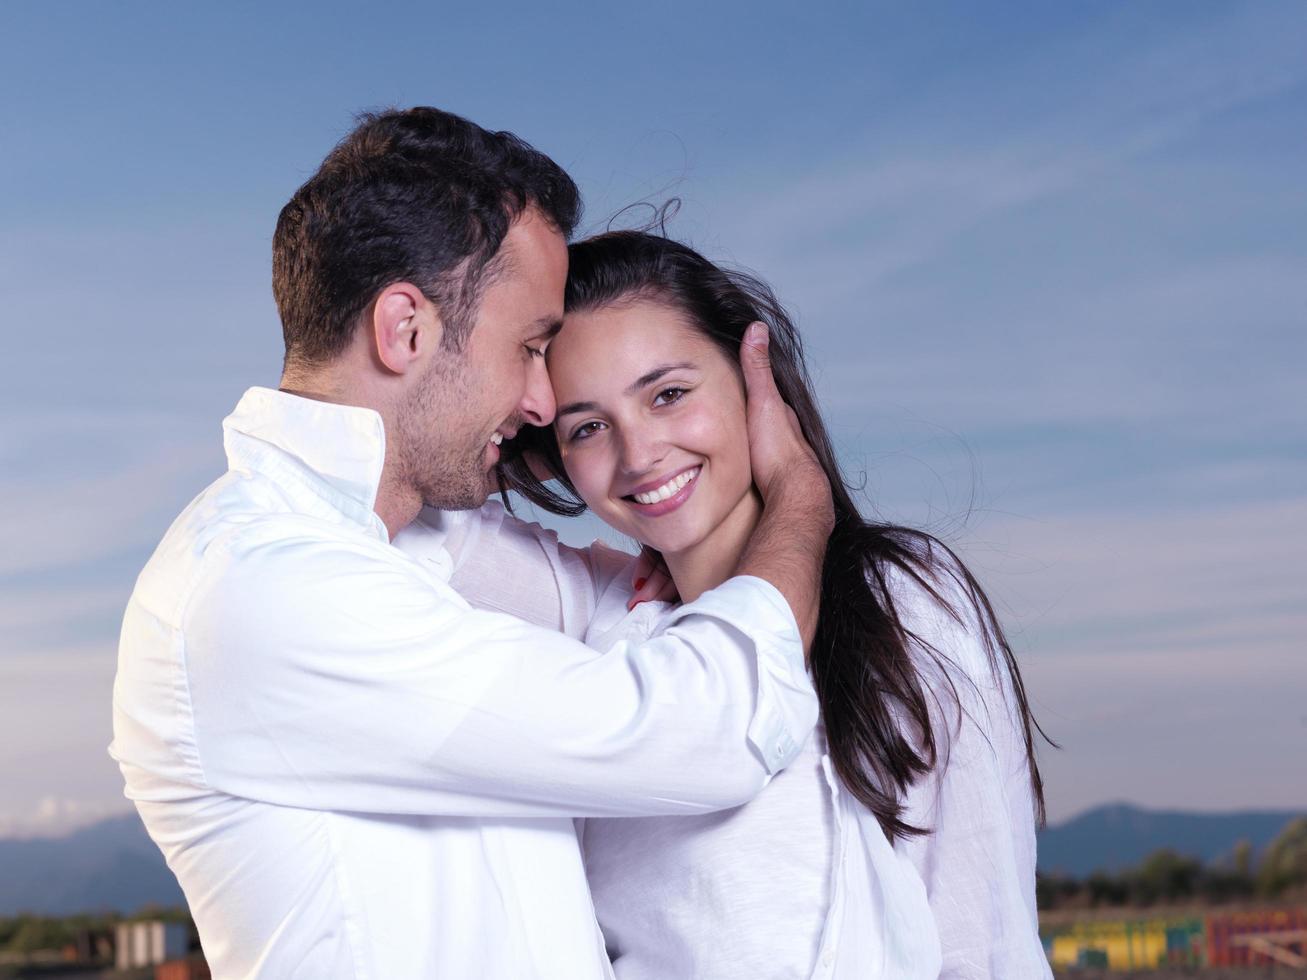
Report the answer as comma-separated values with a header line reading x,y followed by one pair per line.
x,y
440,460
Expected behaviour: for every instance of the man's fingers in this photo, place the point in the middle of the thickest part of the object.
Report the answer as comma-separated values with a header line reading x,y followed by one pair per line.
x,y
755,360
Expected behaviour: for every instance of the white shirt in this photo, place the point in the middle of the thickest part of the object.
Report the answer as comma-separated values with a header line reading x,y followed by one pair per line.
x,y
806,866
354,774
799,883
978,862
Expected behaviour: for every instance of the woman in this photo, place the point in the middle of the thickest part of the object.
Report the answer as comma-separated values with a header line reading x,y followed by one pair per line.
x,y
912,812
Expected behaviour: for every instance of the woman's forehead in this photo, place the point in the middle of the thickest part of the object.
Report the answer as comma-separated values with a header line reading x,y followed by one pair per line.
x,y
612,346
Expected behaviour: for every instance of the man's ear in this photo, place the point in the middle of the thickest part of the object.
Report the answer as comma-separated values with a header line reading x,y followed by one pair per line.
x,y
405,326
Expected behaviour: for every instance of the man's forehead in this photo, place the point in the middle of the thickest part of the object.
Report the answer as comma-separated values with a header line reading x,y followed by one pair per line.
x,y
522,289
533,247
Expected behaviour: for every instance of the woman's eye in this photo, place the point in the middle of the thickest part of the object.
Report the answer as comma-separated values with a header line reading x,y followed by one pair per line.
x,y
669,395
534,351
585,430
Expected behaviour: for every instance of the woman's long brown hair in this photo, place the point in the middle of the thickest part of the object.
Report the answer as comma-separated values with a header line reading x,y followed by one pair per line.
x,y
874,701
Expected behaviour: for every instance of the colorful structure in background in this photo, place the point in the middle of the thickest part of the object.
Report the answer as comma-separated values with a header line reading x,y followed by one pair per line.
x,y
150,943
191,968
1219,937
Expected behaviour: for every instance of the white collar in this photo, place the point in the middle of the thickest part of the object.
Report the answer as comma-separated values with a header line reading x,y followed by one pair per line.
x,y
343,446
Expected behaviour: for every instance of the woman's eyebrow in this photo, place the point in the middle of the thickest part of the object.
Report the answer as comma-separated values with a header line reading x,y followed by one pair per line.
x,y
646,379
650,377
571,407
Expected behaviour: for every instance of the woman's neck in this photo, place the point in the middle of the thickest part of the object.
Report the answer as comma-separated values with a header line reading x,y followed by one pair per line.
x,y
713,560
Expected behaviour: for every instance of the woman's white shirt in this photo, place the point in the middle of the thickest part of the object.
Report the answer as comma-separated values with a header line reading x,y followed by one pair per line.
x,y
956,903
798,883
978,861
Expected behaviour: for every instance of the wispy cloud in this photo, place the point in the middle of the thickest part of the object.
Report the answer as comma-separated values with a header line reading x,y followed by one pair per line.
x,y
54,736
55,816
1230,563
1158,646
903,198
79,491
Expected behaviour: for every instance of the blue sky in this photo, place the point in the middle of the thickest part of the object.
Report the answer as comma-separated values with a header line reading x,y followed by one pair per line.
x,y
1050,262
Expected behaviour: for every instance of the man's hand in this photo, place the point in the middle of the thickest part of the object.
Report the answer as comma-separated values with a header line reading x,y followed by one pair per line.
x,y
778,452
789,545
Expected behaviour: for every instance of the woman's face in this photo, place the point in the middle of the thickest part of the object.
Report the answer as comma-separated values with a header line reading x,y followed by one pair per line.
x,y
651,424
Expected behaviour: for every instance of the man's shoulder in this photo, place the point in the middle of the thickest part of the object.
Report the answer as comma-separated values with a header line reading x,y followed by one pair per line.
x,y
241,532
293,579
244,512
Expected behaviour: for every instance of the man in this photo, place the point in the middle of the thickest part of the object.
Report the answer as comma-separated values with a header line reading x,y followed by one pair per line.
x,y
351,772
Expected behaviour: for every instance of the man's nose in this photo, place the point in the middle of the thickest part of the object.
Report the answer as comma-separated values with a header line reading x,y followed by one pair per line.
x,y
538,405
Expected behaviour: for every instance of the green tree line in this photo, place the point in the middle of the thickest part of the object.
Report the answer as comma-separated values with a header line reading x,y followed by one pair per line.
x,y
30,933
1166,877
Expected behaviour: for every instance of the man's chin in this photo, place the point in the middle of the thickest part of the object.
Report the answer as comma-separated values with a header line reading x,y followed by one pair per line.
x,y
465,498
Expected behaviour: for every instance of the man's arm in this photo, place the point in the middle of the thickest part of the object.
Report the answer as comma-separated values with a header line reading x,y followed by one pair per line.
x,y
789,545
335,674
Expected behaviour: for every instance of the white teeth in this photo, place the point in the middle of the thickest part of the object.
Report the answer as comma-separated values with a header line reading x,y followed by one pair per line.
x,y
496,438
667,489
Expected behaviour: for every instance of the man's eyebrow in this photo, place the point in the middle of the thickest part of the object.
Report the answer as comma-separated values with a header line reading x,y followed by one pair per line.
x,y
546,326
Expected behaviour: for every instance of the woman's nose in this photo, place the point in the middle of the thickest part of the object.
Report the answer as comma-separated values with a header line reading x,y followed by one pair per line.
x,y
641,451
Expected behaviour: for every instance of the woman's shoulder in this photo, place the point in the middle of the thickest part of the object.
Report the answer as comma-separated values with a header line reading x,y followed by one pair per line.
x,y
612,621
946,616
960,655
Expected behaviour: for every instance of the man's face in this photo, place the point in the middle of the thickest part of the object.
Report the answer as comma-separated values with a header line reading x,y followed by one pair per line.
x,y
467,402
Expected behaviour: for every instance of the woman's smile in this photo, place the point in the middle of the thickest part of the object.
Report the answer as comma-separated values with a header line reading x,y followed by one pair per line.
x,y
658,498
651,419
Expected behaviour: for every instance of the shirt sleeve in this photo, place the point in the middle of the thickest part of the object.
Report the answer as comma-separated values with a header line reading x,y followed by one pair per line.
x,y
978,858
339,675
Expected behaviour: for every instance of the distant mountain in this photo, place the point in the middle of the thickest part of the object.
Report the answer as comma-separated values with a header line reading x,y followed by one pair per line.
x,y
109,866
1117,836
113,864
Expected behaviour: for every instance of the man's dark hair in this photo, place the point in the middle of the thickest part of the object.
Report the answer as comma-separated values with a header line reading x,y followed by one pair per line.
x,y
413,195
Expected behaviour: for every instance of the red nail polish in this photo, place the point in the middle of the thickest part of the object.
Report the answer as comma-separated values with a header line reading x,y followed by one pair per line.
x,y
640,583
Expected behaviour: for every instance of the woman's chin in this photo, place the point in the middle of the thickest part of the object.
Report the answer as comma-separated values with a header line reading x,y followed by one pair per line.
x,y
671,543
668,534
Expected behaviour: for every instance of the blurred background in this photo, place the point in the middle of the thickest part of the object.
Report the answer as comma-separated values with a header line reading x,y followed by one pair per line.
x,y
1050,262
